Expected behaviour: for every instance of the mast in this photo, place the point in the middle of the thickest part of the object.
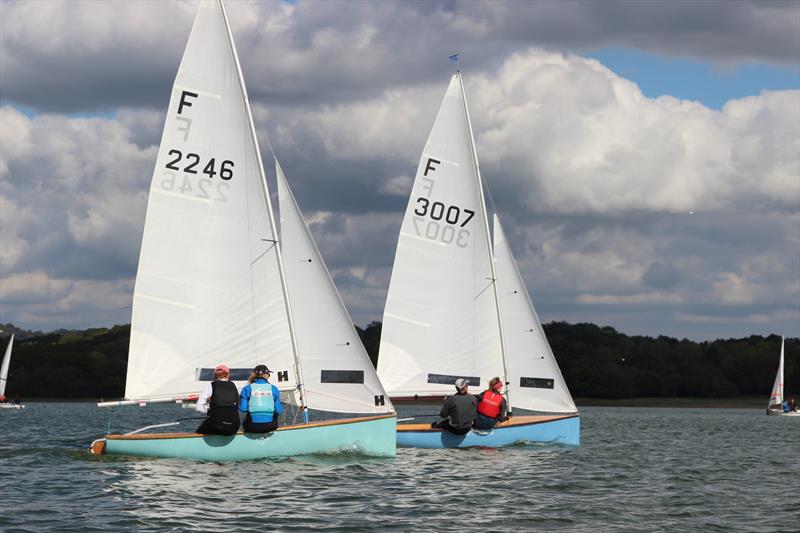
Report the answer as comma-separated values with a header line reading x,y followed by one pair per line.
x,y
284,288
780,375
488,243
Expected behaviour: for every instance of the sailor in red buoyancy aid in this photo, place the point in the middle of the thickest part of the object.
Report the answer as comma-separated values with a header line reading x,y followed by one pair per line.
x,y
492,406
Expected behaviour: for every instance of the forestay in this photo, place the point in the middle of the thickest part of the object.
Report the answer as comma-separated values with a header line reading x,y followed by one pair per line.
x,y
440,320
535,379
337,372
208,286
776,398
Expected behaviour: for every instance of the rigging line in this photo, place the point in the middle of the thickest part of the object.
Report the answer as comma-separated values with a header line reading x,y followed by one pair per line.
x,y
271,215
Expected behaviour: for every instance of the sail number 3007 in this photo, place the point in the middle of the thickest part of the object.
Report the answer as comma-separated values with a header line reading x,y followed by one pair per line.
x,y
437,211
455,219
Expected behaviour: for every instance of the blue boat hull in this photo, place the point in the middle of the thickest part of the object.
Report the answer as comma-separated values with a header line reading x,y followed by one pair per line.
x,y
374,436
519,429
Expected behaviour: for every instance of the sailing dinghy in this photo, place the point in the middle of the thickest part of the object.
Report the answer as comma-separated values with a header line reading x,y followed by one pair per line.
x,y
215,284
457,306
776,399
6,404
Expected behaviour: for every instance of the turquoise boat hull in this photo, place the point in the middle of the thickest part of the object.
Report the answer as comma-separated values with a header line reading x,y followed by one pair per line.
x,y
374,436
519,429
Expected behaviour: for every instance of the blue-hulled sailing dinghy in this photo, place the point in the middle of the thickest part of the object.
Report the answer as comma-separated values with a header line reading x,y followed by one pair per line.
x,y
457,306
217,284
373,436
554,429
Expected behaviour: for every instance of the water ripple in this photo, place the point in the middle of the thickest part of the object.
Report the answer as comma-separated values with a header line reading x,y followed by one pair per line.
x,y
636,470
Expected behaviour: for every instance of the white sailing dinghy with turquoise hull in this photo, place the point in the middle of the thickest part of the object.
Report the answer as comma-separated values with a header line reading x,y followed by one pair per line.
x,y
776,399
211,285
457,306
4,377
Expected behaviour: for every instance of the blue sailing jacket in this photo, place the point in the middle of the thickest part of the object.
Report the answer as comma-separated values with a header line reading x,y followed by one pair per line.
x,y
262,400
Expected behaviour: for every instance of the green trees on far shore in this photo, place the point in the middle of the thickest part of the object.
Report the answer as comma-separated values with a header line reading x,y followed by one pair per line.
x,y
597,362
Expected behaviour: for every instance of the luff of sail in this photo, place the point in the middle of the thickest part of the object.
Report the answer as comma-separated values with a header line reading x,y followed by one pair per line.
x,y
776,397
533,372
5,366
337,372
440,320
208,287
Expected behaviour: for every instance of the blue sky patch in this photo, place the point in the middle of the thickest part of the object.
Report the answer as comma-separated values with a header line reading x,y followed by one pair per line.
x,y
691,79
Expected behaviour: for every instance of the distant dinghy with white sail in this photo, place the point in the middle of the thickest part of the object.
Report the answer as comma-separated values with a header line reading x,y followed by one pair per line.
x,y
777,403
457,306
6,404
215,284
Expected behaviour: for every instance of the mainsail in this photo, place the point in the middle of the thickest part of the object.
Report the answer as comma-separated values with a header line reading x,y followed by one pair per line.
x,y
776,398
208,287
440,321
337,372
532,369
5,365
455,307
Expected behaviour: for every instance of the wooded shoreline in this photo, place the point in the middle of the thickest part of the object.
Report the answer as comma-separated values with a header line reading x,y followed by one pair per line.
x,y
601,366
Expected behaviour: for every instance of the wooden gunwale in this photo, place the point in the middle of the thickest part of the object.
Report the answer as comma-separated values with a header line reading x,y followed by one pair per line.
x,y
322,423
514,421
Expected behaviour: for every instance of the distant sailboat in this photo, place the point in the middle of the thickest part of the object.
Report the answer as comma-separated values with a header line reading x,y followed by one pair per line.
x,y
211,286
4,377
776,399
457,306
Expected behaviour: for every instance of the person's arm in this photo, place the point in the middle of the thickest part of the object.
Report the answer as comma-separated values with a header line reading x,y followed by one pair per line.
x,y
503,415
244,399
278,404
445,412
202,401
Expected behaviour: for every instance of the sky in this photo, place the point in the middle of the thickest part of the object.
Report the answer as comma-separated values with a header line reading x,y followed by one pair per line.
x,y
644,156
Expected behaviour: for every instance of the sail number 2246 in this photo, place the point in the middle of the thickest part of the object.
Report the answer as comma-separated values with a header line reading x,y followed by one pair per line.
x,y
190,164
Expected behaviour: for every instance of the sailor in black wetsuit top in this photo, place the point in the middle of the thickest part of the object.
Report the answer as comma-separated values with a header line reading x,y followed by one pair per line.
x,y
220,401
459,411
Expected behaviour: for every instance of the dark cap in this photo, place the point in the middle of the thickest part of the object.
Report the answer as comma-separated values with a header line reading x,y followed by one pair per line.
x,y
261,369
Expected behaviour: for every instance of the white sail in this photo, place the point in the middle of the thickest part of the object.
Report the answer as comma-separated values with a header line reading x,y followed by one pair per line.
x,y
5,365
535,379
337,372
440,321
776,398
208,287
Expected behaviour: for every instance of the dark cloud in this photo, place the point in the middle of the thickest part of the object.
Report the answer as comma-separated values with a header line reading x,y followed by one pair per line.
x,y
64,56
661,276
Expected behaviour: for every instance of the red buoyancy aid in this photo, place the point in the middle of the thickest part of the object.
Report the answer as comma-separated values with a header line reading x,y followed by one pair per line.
x,y
490,404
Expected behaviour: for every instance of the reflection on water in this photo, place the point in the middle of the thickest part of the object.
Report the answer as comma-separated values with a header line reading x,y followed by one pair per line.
x,y
636,470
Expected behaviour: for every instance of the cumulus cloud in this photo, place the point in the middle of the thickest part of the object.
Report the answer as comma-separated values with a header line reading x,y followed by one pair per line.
x,y
653,215
71,207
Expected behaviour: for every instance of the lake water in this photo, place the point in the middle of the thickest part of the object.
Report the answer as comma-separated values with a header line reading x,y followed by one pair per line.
x,y
637,469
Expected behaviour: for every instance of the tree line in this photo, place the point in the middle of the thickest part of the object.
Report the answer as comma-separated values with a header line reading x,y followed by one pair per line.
x,y
597,362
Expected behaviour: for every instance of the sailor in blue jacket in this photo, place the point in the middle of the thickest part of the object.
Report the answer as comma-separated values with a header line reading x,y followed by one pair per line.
x,y
261,400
